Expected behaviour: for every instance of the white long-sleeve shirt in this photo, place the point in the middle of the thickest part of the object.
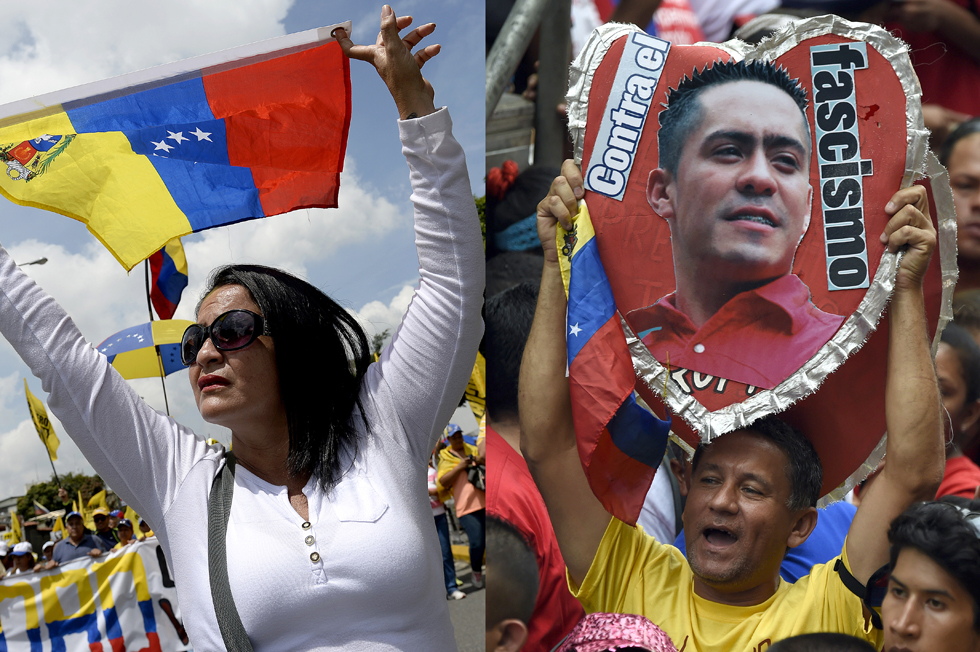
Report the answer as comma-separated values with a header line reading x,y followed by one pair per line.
x,y
377,583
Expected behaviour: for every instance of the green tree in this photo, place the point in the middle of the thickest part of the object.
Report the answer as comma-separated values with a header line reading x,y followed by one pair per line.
x,y
46,492
378,341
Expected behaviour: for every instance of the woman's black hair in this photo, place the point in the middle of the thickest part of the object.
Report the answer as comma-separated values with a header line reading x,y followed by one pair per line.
x,y
968,128
968,353
941,531
310,331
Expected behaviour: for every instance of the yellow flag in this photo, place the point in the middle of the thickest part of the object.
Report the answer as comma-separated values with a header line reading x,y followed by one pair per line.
x,y
476,390
134,518
44,428
59,526
98,500
86,512
18,535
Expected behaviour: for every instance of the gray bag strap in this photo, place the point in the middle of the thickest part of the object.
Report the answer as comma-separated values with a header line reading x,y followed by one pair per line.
x,y
219,509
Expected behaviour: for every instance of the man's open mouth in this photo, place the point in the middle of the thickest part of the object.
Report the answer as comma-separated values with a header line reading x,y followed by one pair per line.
x,y
719,537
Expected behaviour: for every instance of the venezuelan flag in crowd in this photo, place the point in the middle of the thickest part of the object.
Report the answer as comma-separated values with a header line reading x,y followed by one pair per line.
x,y
168,267
146,157
148,350
621,444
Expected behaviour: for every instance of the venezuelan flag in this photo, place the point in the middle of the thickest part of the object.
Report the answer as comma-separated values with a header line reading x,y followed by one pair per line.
x,y
168,267
621,444
133,351
146,157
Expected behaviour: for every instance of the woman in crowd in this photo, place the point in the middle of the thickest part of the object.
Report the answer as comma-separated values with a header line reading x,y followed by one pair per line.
x,y
958,371
933,599
329,541
960,154
455,463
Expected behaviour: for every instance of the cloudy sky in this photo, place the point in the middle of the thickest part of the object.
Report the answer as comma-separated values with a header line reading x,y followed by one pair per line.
x,y
362,253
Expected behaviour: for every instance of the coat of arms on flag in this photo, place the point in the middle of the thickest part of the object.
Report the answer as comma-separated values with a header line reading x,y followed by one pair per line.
x,y
29,159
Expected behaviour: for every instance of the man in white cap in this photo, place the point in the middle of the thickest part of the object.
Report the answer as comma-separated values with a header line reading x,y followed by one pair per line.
x,y
23,558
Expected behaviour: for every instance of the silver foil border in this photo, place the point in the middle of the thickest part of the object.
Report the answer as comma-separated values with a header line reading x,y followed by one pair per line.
x,y
920,162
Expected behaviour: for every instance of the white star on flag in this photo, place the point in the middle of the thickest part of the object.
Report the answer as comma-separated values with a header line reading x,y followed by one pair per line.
x,y
161,145
179,136
202,135
574,330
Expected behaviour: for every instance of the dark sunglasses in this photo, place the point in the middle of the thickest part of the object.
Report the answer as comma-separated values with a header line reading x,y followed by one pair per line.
x,y
230,331
100,518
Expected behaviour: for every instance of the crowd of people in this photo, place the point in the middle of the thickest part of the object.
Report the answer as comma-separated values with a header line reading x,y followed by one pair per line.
x,y
112,531
730,551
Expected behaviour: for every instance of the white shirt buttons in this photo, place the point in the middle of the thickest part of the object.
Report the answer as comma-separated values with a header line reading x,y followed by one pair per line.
x,y
699,348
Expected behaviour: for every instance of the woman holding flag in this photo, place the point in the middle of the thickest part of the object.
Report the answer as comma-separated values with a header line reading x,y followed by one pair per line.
x,y
317,533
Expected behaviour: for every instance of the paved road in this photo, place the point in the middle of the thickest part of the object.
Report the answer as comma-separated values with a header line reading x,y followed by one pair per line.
x,y
469,616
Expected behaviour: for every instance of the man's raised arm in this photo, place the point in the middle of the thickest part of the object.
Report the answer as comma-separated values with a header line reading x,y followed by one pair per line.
x,y
914,453
547,432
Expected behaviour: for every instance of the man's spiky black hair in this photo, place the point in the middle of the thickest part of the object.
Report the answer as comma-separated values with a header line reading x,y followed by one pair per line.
x,y
683,111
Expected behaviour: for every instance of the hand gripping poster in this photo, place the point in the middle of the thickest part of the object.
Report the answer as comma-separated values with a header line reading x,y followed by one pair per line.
x,y
737,196
124,600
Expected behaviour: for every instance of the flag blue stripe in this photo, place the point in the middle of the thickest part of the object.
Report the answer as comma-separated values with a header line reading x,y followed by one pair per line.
x,y
171,282
638,433
590,299
170,355
130,339
196,170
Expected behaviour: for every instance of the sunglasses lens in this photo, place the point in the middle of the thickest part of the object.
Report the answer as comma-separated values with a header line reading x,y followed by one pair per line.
x,y
234,330
191,343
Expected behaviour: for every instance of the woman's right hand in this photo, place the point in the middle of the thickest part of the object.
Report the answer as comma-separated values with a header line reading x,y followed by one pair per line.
x,y
392,56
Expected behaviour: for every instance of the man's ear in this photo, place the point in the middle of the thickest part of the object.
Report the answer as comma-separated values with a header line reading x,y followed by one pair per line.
x,y
658,193
803,527
507,636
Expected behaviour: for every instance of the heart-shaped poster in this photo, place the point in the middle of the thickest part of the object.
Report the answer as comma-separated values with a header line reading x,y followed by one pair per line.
x,y
737,195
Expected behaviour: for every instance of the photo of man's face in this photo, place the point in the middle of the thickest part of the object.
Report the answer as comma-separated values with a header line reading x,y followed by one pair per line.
x,y
732,183
739,201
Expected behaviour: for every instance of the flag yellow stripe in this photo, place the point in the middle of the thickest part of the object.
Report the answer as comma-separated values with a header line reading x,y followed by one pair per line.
x,y
99,175
141,363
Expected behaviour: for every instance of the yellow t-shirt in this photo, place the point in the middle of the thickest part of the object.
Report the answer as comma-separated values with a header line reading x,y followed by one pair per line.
x,y
634,573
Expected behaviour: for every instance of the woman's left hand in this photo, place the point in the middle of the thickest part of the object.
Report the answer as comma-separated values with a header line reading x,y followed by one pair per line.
x,y
392,56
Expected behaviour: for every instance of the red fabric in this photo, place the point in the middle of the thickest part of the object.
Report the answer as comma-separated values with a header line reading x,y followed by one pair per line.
x,y
303,160
949,76
676,22
513,497
759,337
962,477
601,378
165,309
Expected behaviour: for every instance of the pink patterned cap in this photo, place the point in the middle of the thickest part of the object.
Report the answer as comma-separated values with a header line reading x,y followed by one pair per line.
x,y
601,632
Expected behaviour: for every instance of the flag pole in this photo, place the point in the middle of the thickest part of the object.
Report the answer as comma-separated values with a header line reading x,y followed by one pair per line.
x,y
56,478
149,307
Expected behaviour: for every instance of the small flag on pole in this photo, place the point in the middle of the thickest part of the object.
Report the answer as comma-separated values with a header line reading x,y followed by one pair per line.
x,y
44,428
18,534
168,268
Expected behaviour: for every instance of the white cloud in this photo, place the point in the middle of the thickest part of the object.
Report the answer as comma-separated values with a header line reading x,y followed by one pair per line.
x,y
61,43
375,316
23,458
